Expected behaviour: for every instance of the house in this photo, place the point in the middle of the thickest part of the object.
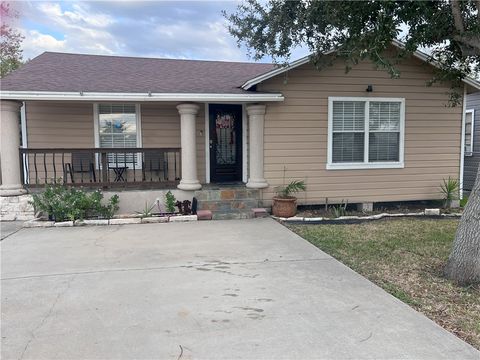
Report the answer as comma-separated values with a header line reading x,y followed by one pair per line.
x,y
472,138
228,132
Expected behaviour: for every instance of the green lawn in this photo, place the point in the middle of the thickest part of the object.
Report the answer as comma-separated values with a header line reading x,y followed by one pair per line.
x,y
405,257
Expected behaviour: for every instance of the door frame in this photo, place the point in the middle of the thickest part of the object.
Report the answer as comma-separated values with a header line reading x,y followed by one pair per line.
x,y
244,141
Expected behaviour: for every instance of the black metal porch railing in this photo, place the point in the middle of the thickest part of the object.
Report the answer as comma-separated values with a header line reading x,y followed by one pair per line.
x,y
101,167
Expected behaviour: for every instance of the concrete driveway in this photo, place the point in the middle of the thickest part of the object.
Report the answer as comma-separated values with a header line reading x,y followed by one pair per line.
x,y
247,289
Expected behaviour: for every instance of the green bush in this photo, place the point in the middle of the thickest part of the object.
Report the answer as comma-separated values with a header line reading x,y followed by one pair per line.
x,y
170,202
61,203
450,190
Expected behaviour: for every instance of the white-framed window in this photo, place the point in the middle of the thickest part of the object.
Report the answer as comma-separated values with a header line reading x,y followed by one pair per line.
x,y
469,129
365,133
118,126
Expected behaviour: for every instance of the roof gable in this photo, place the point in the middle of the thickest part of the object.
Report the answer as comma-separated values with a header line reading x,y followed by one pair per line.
x,y
306,59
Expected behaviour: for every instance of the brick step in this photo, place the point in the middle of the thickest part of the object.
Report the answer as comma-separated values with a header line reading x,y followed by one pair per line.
x,y
228,202
226,194
232,215
228,205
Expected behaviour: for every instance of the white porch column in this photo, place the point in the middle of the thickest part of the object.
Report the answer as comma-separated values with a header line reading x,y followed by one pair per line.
x,y
256,120
189,179
9,146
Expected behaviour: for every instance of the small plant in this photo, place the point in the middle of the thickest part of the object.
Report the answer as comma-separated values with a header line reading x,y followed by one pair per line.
x,y
340,209
61,203
170,202
449,188
292,188
146,212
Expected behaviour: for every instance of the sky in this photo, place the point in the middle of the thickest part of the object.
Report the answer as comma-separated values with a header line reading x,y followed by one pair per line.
x,y
166,29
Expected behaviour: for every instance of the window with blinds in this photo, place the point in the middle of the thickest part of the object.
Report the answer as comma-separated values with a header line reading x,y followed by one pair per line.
x,y
469,125
384,131
117,125
365,132
348,131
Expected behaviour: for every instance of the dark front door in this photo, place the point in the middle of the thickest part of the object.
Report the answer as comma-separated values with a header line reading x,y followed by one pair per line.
x,y
225,142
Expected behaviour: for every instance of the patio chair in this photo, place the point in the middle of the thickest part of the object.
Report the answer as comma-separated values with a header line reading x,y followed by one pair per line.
x,y
155,162
81,163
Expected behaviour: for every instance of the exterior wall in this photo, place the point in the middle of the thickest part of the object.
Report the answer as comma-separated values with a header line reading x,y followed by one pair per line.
x,y
471,162
161,127
71,125
296,134
59,125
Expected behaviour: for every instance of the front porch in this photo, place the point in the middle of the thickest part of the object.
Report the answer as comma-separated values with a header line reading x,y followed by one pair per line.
x,y
143,145
139,151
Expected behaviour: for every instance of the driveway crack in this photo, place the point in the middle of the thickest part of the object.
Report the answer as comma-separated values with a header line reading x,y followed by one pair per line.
x,y
155,268
47,316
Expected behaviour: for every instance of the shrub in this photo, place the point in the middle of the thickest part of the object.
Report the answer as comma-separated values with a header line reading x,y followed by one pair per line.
x,y
170,202
340,209
147,211
450,190
61,203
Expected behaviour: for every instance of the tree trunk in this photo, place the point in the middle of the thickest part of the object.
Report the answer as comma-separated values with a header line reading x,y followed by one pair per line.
x,y
463,266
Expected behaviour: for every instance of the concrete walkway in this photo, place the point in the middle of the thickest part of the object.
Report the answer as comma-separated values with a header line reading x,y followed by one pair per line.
x,y
246,289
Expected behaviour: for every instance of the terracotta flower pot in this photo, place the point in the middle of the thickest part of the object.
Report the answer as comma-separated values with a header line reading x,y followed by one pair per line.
x,y
284,207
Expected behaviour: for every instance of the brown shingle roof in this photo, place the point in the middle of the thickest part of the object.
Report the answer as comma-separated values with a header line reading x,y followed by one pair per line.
x,y
95,73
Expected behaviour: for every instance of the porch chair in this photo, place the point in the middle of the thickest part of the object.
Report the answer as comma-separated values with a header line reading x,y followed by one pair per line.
x,y
81,163
155,162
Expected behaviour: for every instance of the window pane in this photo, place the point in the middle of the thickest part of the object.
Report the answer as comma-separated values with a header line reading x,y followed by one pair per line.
x,y
348,115
105,124
468,132
383,146
384,116
347,147
117,125
106,141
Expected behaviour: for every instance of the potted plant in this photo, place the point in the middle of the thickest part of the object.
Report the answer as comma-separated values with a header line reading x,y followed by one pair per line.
x,y
284,204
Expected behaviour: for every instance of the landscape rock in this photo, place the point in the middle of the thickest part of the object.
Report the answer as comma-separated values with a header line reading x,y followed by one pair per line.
x,y
154,220
38,223
63,224
432,212
183,218
95,222
126,221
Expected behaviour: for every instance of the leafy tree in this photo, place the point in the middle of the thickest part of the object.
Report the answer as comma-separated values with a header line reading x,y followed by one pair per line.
x,y
360,30
10,41
365,30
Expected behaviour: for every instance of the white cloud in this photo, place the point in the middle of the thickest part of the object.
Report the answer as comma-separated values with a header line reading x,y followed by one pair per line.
x,y
194,30
73,30
34,41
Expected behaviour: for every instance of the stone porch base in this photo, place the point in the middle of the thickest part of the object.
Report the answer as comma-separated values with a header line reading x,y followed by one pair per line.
x,y
228,202
16,208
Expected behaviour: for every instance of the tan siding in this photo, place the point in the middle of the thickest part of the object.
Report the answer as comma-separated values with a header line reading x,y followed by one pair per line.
x,y
70,125
59,125
296,132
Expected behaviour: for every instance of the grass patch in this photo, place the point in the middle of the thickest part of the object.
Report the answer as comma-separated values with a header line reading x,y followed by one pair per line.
x,y
406,258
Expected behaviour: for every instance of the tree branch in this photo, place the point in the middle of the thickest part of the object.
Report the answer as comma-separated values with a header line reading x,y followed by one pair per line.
x,y
478,9
457,16
469,45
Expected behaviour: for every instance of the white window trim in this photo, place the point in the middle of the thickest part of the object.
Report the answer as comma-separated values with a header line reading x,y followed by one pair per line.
x,y
365,165
138,116
470,111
